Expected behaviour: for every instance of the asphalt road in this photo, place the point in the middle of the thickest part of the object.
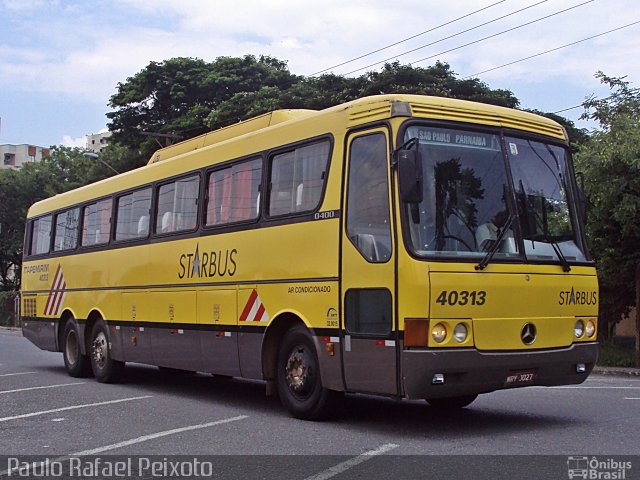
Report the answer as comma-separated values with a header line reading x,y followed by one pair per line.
x,y
43,411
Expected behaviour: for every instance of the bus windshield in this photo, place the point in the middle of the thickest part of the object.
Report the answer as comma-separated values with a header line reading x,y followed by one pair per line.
x,y
464,211
539,174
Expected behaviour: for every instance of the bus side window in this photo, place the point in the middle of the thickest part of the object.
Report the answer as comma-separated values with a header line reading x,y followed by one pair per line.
x,y
132,215
297,179
368,221
234,193
96,223
66,230
40,236
178,205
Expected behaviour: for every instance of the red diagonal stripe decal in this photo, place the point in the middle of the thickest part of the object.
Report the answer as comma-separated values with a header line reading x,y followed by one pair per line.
x,y
259,313
54,286
249,305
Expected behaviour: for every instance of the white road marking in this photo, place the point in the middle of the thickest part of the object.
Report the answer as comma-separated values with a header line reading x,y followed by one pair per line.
x,y
72,407
41,388
352,462
12,374
126,443
632,398
152,436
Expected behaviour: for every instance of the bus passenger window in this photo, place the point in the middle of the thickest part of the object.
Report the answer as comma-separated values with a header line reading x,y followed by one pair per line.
x,y
132,215
66,236
233,193
368,221
178,205
297,179
40,236
96,222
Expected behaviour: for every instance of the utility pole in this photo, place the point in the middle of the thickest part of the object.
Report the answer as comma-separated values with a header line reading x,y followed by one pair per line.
x,y
638,316
169,138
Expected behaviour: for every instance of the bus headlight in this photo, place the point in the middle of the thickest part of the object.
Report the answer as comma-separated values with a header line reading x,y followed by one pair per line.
x,y
460,332
591,328
578,329
439,332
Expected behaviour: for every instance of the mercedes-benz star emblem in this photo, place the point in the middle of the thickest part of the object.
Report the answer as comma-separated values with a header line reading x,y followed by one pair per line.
x,y
528,333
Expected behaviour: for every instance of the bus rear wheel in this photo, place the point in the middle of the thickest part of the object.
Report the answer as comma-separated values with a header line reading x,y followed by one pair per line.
x,y
298,377
451,403
105,368
76,364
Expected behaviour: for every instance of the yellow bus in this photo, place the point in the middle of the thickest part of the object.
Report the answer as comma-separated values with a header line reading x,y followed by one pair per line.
x,y
401,245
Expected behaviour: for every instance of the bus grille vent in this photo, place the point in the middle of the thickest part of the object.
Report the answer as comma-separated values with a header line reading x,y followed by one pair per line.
x,y
504,119
29,307
370,113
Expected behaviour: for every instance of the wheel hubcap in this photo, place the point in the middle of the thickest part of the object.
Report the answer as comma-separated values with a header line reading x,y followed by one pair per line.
x,y
299,372
71,347
100,351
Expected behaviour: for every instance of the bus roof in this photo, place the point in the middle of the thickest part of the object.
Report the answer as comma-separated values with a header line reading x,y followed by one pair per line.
x,y
228,132
351,114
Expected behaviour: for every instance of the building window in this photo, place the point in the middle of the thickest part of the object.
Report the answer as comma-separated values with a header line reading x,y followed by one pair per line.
x,y
10,159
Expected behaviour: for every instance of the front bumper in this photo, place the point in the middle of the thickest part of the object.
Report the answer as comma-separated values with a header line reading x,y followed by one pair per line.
x,y
470,371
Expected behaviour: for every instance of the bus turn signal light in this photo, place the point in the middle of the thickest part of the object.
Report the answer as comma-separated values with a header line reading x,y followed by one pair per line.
x,y
416,332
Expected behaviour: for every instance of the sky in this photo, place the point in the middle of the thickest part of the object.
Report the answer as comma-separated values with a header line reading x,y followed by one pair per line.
x,y
60,61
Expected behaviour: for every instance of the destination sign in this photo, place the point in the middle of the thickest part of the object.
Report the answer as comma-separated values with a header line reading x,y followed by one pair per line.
x,y
427,135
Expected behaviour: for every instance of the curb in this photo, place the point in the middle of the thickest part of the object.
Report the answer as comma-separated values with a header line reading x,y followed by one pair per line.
x,y
10,328
617,371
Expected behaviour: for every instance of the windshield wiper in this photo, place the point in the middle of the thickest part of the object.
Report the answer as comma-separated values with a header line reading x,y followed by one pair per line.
x,y
496,245
556,248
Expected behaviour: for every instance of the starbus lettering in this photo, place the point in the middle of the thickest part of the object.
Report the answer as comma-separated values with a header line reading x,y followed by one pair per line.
x,y
209,264
578,297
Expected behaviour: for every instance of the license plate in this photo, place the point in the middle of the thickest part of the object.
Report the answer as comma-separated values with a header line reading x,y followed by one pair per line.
x,y
523,377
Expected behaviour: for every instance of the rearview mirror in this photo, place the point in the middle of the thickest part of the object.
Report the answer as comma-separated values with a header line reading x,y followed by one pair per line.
x,y
410,176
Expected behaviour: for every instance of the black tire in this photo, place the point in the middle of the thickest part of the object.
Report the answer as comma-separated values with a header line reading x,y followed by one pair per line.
x,y
76,364
451,403
105,368
298,377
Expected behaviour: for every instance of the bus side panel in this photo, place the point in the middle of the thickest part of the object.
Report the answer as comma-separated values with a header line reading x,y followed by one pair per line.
x,y
41,332
217,320
135,338
176,345
253,318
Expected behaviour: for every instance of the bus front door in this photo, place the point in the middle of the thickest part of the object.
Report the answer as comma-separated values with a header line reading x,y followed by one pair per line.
x,y
367,268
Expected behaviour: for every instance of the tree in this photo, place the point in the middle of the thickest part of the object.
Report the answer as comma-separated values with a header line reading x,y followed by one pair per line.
x,y
317,93
64,169
438,80
174,97
577,136
610,160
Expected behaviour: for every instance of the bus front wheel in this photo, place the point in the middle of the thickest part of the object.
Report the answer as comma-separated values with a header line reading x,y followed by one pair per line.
x,y
298,377
105,368
451,403
76,364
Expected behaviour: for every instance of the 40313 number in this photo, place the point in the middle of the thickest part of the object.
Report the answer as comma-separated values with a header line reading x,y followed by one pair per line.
x,y
462,297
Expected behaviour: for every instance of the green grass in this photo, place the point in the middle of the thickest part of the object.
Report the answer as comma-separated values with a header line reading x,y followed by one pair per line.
x,y
613,356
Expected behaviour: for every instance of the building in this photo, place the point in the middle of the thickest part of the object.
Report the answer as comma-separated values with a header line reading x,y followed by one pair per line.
x,y
14,156
97,142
